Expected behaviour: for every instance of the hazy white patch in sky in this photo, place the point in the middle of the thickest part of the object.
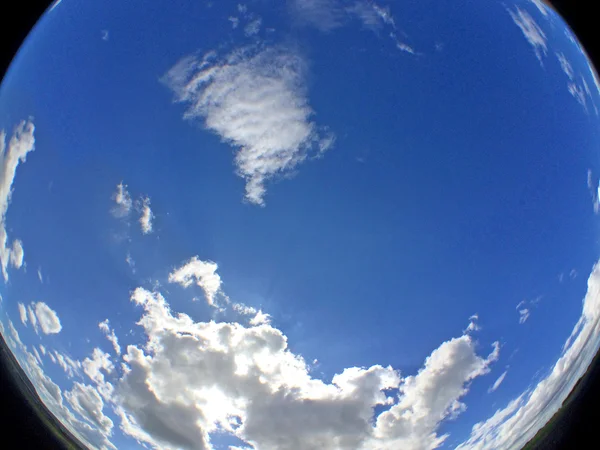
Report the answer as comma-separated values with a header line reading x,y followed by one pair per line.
x,y
253,27
146,215
531,30
39,274
105,35
573,274
255,100
47,318
130,262
594,187
516,424
325,15
17,254
110,335
42,349
122,201
473,325
32,318
577,92
20,144
540,6
523,315
405,47
565,65
204,273
22,313
498,382
54,5
234,22
37,356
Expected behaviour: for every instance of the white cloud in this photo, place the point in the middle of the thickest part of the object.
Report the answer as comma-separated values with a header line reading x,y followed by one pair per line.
x,y
47,318
130,262
96,368
190,379
204,273
516,424
255,100
473,325
105,35
37,356
565,65
258,317
234,22
122,201
498,382
85,401
146,215
39,274
20,144
32,318
325,15
531,30
253,27
17,254
70,366
110,335
573,274
42,349
22,313
539,4
523,315
578,93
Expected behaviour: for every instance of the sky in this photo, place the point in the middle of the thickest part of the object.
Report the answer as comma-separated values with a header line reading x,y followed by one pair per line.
x,y
306,224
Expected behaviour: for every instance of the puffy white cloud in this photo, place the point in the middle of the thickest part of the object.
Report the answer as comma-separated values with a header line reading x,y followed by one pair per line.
x,y
473,325
96,368
498,382
110,335
255,100
22,313
123,202
204,273
17,254
513,426
20,144
85,400
47,318
531,30
191,379
258,316
146,215
37,356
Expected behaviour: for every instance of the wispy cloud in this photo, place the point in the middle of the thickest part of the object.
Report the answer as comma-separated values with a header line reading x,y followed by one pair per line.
x,y
594,189
523,315
123,202
110,335
254,99
146,215
531,30
497,383
539,4
22,313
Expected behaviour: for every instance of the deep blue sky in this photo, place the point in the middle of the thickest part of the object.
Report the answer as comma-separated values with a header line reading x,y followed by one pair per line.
x,y
457,185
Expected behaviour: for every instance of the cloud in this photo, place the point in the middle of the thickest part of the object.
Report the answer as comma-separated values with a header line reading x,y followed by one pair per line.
x,y
473,326
22,313
325,15
39,274
253,27
573,274
20,144
498,382
105,35
96,367
523,315
130,262
204,273
255,100
122,201
47,318
70,366
85,401
531,30
594,189
42,349
146,216
258,317
519,421
539,4
245,381
565,65
32,318
17,254
110,335
234,22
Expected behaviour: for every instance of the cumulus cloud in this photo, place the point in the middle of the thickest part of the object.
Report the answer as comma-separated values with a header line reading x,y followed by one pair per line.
x,y
22,313
498,382
531,30
203,273
47,318
85,401
519,421
255,100
123,202
258,317
110,335
146,215
20,144
192,379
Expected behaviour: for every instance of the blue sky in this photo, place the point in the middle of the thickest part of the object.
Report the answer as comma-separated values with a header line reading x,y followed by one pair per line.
x,y
368,175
